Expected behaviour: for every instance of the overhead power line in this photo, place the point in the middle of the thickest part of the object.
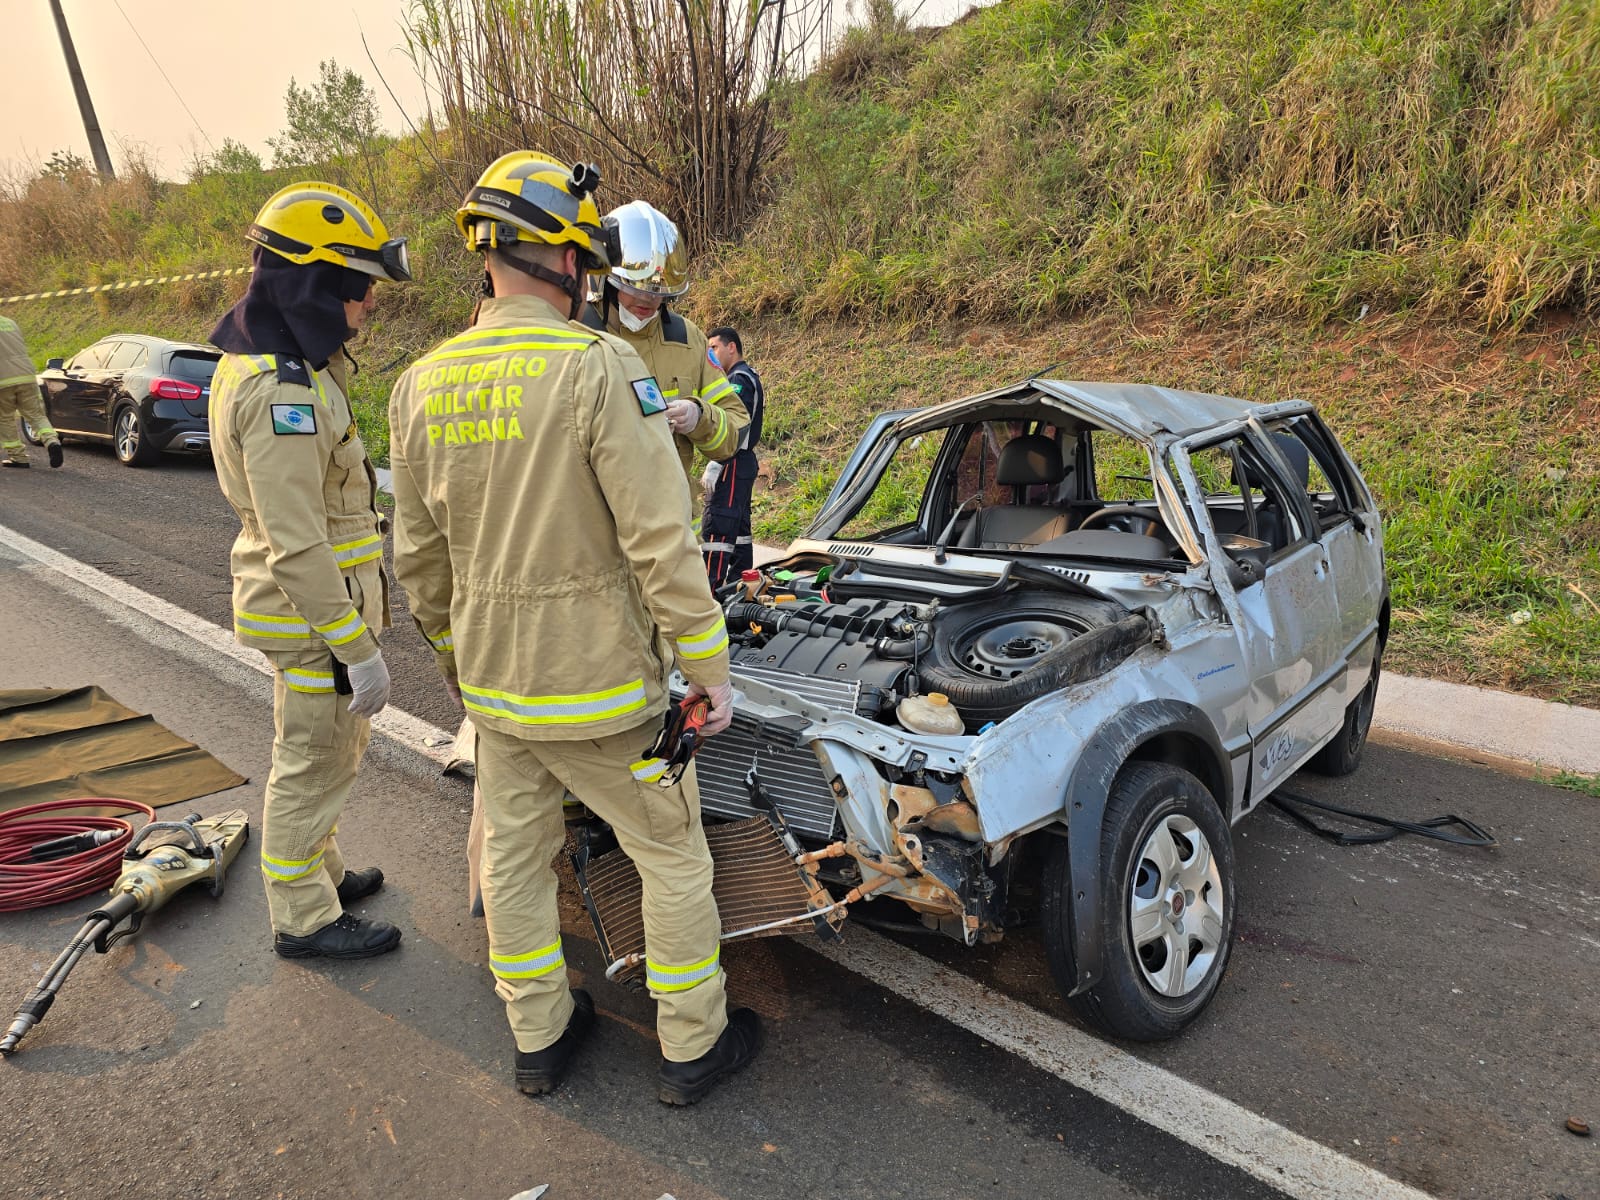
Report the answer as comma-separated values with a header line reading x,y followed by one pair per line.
x,y
164,75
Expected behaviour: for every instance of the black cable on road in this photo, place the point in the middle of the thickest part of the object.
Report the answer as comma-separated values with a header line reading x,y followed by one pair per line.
x,y
1291,803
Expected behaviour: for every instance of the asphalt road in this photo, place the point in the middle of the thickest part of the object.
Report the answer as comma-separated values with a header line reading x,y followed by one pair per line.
x,y
167,531
1422,1009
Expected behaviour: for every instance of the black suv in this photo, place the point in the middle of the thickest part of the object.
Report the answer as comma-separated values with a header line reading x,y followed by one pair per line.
x,y
141,394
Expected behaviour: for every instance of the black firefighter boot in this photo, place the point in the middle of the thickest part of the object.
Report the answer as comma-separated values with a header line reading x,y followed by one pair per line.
x,y
358,885
345,936
539,1071
687,1082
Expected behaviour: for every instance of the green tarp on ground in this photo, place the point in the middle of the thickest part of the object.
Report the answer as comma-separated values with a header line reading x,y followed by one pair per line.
x,y
61,743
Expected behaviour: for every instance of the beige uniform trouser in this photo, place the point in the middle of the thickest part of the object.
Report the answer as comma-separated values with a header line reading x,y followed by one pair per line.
x,y
316,749
523,783
26,400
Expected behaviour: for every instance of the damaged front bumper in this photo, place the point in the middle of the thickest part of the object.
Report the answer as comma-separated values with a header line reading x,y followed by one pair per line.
x,y
887,812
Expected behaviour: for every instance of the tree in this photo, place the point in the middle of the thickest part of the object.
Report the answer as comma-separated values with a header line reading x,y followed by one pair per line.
x,y
333,123
63,166
233,158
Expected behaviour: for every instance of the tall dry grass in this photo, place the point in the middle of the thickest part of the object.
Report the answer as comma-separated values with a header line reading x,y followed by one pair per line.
x,y
673,98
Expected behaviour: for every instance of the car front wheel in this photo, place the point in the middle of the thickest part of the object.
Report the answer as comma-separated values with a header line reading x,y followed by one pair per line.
x,y
128,438
1166,905
27,431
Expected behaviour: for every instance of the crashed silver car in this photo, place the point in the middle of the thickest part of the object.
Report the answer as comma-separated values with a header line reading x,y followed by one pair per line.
x,y
1038,651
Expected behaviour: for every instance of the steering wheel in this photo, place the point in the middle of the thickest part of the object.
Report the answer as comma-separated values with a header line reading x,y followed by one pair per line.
x,y
1149,518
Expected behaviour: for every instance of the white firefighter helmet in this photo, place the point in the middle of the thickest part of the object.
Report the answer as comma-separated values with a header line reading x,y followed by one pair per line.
x,y
651,258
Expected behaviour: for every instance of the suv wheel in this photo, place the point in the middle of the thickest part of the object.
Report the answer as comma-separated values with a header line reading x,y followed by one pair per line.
x,y
128,439
1166,905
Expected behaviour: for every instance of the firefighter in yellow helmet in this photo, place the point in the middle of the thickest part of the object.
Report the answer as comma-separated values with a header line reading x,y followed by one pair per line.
x,y
20,396
308,583
704,411
542,537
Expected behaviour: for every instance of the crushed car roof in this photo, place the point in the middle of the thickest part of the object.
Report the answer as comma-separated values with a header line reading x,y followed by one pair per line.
x,y
1143,409
1140,410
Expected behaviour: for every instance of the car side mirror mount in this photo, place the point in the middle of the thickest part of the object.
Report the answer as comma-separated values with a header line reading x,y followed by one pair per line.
x,y
55,364
1247,559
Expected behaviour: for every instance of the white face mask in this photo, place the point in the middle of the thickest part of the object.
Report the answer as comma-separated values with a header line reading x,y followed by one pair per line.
x,y
632,323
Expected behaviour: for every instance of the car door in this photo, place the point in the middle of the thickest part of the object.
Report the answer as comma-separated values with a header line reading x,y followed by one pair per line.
x,y
73,396
125,357
1348,528
1274,580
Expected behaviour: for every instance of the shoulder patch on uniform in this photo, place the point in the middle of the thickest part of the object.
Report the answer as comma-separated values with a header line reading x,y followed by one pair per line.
x,y
648,393
294,418
293,370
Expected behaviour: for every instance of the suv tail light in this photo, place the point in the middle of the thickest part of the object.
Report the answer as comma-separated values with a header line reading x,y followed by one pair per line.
x,y
175,389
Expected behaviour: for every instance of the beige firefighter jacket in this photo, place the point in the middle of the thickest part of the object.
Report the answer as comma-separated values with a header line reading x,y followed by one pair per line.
x,y
542,527
308,561
675,351
15,365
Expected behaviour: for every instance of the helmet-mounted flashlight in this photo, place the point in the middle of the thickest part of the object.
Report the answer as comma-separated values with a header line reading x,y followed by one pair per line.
x,y
585,179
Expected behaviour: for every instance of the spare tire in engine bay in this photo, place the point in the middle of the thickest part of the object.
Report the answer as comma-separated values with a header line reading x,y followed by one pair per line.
x,y
994,657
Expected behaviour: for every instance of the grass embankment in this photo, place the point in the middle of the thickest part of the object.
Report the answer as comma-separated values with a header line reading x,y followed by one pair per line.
x,y
1230,186
1230,158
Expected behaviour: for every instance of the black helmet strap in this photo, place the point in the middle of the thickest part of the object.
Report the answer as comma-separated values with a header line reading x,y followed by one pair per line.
x,y
572,285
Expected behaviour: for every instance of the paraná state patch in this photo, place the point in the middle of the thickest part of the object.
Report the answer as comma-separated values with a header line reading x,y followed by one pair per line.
x,y
648,393
294,418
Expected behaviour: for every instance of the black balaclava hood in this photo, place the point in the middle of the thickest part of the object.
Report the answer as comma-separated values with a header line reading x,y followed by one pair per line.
x,y
291,309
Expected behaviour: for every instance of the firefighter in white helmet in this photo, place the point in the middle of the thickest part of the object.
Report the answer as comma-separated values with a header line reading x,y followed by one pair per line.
x,y
308,583
704,411
542,536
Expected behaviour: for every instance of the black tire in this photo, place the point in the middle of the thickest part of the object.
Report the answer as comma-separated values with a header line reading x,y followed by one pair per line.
x,y
1343,755
991,659
128,440
1124,1002
32,438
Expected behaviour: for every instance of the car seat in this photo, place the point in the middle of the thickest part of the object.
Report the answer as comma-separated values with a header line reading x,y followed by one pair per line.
x,y
1026,461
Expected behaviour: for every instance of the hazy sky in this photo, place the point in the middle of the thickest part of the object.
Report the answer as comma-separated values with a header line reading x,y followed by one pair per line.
x,y
231,62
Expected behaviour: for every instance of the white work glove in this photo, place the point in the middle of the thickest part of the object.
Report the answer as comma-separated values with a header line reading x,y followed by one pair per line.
x,y
454,688
369,681
682,416
709,477
721,697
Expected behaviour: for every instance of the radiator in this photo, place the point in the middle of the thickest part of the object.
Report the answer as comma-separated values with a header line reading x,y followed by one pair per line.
x,y
756,884
791,775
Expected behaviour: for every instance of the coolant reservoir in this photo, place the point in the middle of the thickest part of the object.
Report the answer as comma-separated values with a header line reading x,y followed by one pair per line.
x,y
932,713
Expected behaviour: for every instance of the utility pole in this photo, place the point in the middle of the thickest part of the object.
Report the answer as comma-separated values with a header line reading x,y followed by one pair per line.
x,y
91,123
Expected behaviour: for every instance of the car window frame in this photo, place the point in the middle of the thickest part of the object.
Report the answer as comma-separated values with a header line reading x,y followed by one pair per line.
x,y
1179,461
141,355
101,350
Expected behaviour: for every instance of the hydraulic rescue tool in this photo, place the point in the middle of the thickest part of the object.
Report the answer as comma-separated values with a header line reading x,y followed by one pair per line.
x,y
162,859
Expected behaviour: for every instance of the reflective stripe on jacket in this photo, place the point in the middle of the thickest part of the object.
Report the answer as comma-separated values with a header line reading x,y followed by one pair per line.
x,y
677,354
310,543
542,527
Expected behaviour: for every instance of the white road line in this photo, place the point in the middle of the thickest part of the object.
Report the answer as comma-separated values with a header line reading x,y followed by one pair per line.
x,y
409,731
1228,1132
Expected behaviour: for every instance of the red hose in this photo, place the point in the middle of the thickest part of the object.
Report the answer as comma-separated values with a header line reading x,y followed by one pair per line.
x,y
25,884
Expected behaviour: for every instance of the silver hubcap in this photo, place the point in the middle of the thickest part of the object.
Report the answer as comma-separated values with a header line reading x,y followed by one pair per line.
x,y
127,435
1175,910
